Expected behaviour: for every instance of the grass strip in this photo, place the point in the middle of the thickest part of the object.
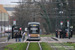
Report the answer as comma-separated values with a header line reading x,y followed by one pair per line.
x,y
16,46
34,46
70,44
73,36
45,46
47,35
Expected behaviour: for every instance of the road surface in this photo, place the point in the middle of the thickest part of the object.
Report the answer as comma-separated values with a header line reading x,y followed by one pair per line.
x,y
3,43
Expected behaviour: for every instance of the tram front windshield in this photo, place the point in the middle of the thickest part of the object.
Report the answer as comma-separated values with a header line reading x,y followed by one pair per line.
x,y
16,30
33,29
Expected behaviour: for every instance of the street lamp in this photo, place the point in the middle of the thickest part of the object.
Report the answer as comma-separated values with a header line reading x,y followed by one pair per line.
x,y
1,22
61,22
56,17
61,12
4,23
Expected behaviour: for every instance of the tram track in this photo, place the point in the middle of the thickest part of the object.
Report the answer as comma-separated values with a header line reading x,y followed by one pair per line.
x,y
53,47
65,46
54,39
34,42
28,45
40,46
50,39
60,45
56,46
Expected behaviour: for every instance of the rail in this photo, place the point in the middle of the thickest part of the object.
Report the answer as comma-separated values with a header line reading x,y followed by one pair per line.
x,y
53,47
65,46
28,45
38,44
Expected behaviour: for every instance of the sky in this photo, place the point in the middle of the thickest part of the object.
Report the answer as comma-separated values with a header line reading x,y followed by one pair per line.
x,y
8,1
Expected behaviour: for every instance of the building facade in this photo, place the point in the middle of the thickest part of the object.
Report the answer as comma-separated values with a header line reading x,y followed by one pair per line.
x,y
4,18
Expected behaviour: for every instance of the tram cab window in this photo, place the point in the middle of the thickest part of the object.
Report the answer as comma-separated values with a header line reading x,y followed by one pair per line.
x,y
34,29
15,30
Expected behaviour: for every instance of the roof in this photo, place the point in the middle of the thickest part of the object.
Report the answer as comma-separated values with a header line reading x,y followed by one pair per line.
x,y
33,23
2,9
9,5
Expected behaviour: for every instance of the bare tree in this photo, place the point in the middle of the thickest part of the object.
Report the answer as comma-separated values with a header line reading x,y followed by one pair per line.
x,y
22,15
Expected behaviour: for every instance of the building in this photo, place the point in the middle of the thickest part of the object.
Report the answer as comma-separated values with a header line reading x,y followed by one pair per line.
x,y
9,8
4,18
37,0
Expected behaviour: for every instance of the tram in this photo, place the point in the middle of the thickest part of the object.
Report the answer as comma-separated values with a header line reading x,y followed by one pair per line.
x,y
15,30
33,31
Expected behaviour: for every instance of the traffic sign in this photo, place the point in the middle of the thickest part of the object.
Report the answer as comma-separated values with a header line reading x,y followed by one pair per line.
x,y
14,22
71,26
67,23
25,29
61,23
20,28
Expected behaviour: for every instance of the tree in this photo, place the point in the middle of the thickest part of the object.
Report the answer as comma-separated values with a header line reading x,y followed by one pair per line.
x,y
45,9
22,15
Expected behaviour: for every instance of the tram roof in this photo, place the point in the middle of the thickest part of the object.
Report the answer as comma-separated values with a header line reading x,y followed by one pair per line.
x,y
33,23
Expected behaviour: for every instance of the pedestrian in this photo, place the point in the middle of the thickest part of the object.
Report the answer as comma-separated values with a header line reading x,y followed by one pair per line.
x,y
56,33
16,36
8,37
61,33
40,31
64,33
20,36
71,33
24,35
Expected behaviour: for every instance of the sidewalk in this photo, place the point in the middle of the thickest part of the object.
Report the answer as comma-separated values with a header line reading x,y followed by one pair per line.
x,y
14,41
3,39
66,39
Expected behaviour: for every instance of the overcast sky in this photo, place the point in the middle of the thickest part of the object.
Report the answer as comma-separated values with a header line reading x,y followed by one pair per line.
x,y
8,1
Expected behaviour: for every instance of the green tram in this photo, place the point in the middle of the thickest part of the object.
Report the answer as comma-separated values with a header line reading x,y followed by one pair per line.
x,y
33,31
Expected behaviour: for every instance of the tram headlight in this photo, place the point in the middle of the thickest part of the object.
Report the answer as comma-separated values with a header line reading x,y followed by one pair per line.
x,y
29,35
38,35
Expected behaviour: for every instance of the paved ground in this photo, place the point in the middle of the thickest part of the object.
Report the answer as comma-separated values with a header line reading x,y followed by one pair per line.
x,y
3,43
6,34
66,40
43,39
3,39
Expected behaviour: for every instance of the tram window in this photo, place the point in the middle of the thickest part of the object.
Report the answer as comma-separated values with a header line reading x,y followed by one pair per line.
x,y
15,30
33,29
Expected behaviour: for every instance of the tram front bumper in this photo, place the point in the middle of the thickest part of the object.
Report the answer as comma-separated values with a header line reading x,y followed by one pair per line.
x,y
34,38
